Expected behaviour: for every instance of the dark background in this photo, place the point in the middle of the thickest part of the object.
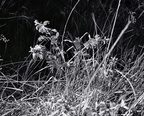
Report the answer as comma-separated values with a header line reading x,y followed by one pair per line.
x,y
17,22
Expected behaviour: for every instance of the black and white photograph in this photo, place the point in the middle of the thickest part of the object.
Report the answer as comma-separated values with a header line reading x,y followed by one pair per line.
x,y
71,58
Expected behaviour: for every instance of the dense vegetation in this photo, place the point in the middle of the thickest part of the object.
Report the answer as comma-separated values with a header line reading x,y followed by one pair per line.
x,y
71,58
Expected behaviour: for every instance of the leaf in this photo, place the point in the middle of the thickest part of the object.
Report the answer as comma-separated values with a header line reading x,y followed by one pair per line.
x,y
46,23
119,92
41,26
36,22
123,104
77,43
42,38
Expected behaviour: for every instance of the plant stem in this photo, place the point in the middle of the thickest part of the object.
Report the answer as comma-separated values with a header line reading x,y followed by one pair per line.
x,y
66,25
113,25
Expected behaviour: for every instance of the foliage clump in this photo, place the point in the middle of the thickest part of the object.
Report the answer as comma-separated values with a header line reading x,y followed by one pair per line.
x,y
91,82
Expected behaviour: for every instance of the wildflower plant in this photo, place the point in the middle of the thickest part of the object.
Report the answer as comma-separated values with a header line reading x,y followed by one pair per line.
x,y
52,55
87,53
39,51
88,83
95,41
49,35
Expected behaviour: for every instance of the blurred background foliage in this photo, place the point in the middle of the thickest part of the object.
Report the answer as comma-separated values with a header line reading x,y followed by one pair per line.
x,y
17,22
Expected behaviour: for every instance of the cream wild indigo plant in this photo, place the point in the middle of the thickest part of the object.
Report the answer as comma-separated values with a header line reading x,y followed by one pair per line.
x,y
39,51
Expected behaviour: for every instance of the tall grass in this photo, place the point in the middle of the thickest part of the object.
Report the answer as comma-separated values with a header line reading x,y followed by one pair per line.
x,y
89,83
